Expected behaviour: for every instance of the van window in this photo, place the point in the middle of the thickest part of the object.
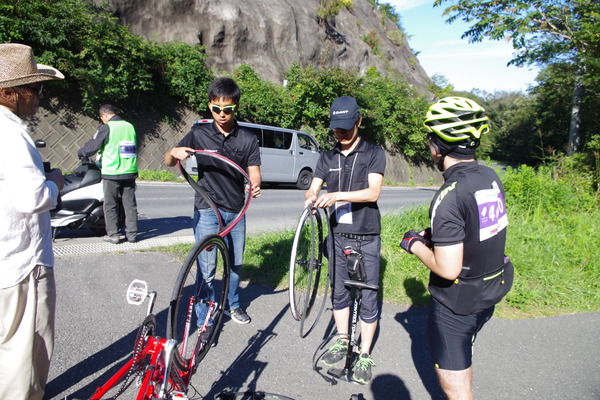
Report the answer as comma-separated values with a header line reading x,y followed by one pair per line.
x,y
258,133
307,143
276,139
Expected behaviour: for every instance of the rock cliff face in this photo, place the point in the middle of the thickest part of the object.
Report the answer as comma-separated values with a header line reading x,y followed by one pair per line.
x,y
271,34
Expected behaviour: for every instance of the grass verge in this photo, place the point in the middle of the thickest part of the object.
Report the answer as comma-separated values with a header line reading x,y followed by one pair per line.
x,y
157,175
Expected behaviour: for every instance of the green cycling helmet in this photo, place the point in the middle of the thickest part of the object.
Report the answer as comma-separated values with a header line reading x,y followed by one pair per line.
x,y
454,119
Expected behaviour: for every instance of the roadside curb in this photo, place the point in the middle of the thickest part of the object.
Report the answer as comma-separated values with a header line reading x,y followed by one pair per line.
x,y
103,247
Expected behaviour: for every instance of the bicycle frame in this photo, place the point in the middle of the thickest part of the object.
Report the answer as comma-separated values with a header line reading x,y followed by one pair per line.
x,y
152,349
166,372
212,306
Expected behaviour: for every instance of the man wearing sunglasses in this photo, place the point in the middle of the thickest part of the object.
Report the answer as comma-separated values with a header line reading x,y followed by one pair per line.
x,y
225,137
28,193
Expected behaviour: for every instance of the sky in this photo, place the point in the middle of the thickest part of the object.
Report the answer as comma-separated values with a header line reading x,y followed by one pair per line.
x,y
465,65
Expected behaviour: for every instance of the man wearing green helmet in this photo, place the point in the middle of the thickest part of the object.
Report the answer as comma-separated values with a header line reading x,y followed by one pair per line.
x,y
464,247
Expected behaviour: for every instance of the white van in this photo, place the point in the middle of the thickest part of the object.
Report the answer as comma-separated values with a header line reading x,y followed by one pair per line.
x,y
286,155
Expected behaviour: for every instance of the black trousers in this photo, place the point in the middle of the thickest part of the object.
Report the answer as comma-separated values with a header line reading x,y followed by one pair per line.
x,y
112,190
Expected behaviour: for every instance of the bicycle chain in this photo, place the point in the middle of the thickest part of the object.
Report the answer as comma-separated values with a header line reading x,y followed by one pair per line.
x,y
148,325
178,379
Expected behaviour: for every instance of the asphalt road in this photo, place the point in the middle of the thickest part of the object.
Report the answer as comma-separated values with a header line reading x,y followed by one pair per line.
x,y
277,208
165,211
546,358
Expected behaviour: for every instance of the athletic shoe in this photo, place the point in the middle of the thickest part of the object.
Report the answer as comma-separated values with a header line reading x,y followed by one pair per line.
x,y
132,239
238,315
362,369
336,352
111,239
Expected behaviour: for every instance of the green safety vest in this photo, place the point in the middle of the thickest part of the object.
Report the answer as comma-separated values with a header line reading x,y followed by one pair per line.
x,y
119,155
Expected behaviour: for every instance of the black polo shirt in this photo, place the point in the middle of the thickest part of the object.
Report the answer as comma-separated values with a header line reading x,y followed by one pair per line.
x,y
349,173
470,208
224,185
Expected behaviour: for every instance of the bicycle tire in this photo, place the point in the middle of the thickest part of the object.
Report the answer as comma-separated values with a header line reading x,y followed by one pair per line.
x,y
306,266
186,297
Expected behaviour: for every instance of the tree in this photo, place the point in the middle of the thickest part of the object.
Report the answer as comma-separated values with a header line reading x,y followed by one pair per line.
x,y
542,32
440,86
393,115
263,102
102,60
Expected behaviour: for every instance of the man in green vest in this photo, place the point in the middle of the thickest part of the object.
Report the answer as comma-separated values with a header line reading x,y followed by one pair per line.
x,y
115,141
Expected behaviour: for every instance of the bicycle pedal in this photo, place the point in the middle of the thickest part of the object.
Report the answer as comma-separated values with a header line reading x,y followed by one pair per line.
x,y
137,292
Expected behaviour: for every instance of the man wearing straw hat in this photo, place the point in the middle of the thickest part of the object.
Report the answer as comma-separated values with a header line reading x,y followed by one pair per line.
x,y
27,193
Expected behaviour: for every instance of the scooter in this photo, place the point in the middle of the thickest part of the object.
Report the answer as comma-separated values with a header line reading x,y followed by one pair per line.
x,y
81,199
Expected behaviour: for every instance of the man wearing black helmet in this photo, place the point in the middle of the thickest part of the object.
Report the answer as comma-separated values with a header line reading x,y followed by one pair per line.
x,y
464,247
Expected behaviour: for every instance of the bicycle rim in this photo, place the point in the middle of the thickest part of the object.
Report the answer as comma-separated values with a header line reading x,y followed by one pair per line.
x,y
189,294
312,315
306,266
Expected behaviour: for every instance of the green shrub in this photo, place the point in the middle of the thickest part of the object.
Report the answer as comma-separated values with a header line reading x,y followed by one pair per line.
x,y
102,60
264,102
330,8
552,189
372,40
553,239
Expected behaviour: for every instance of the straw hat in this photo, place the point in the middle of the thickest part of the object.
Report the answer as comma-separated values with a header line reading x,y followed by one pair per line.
x,y
18,66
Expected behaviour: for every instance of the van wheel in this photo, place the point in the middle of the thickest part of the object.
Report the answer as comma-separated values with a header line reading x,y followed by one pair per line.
x,y
304,179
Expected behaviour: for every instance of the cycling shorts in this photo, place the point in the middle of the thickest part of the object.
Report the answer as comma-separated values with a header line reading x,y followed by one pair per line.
x,y
340,296
452,336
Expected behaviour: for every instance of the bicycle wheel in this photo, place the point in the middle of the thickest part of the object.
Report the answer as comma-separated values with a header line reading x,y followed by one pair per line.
x,y
306,265
196,305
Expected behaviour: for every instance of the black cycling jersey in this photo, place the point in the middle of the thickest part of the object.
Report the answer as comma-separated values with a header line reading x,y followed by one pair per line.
x,y
470,208
224,185
349,173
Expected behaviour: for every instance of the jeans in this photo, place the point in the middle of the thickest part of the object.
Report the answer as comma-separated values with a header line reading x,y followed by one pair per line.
x,y
206,223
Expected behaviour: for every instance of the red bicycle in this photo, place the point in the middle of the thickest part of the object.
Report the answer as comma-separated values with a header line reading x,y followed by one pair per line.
x,y
162,368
